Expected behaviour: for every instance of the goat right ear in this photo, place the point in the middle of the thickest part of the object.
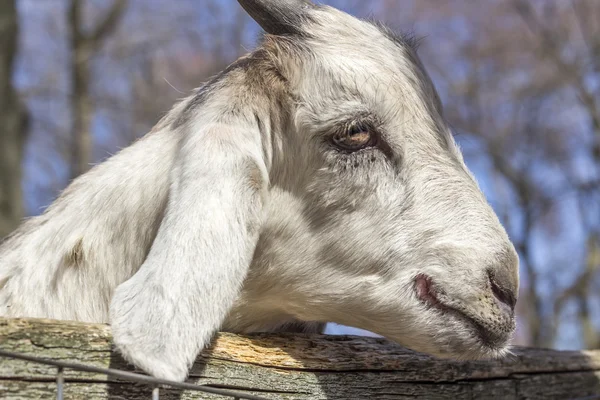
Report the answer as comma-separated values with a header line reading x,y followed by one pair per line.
x,y
280,17
168,311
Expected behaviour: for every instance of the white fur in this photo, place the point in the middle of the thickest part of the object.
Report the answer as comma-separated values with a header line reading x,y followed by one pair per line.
x,y
235,213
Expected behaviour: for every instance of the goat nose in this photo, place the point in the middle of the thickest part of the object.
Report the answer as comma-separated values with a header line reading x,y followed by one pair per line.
x,y
505,297
504,282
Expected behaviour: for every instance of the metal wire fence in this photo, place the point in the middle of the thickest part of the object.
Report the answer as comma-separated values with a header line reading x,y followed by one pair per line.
x,y
156,384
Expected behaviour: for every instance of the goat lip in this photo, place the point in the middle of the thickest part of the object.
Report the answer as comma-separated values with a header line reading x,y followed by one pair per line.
x,y
428,294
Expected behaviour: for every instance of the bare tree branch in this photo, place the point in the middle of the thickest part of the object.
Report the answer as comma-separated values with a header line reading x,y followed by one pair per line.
x,y
108,25
83,45
13,123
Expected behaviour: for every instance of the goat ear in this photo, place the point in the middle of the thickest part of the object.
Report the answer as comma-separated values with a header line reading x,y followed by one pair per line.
x,y
279,17
169,310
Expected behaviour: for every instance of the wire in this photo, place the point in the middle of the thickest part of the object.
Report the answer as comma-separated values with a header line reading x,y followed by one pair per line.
x,y
126,375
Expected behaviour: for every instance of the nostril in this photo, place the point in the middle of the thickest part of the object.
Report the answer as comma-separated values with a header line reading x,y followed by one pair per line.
x,y
505,296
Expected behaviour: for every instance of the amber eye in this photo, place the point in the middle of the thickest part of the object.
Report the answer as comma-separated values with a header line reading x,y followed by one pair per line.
x,y
355,137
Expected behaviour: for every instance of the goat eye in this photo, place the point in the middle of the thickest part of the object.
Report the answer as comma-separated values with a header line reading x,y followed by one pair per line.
x,y
356,137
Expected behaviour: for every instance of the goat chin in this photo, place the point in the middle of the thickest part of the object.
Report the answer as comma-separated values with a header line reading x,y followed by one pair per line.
x,y
313,180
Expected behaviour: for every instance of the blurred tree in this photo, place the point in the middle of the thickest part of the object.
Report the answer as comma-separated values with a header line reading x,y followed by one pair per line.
x,y
566,40
12,123
84,43
212,40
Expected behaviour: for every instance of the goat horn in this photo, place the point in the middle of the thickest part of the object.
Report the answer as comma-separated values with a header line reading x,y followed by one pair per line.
x,y
279,17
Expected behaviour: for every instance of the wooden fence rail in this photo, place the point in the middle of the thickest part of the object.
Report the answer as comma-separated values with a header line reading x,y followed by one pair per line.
x,y
290,367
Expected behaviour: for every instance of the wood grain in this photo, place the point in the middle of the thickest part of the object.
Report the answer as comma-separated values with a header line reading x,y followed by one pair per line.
x,y
293,367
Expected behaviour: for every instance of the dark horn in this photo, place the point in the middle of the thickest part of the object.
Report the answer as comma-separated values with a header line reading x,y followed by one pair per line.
x,y
279,17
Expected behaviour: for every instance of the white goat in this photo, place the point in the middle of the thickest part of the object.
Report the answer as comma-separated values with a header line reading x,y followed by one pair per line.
x,y
314,180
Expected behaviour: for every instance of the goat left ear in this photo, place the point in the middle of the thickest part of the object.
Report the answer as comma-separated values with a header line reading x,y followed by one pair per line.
x,y
169,310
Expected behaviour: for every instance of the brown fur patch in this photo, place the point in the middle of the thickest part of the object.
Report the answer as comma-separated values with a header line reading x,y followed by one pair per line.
x,y
3,283
76,256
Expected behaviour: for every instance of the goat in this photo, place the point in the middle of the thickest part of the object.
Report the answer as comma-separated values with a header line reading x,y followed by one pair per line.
x,y
313,180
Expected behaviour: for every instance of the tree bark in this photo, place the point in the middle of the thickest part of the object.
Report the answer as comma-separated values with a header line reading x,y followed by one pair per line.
x,y
292,367
12,123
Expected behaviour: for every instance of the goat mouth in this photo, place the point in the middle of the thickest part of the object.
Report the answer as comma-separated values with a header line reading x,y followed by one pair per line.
x,y
429,294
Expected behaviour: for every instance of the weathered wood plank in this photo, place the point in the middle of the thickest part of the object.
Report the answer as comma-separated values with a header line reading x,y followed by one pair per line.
x,y
293,367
